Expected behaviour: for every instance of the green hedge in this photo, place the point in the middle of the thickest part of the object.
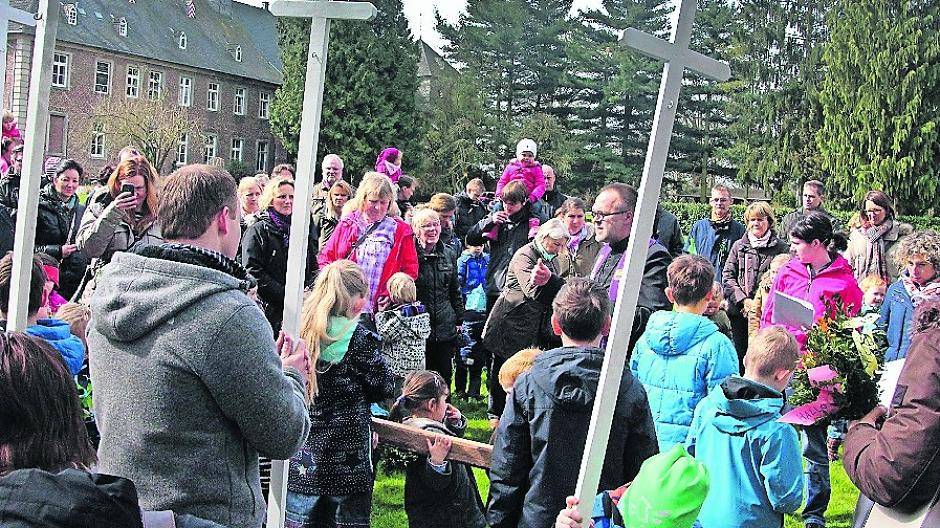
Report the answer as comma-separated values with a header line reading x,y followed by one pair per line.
x,y
689,213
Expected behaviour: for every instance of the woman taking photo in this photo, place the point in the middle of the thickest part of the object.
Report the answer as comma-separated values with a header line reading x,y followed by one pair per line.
x,y
871,245
123,213
327,212
57,223
265,244
582,247
749,259
439,290
380,243
521,317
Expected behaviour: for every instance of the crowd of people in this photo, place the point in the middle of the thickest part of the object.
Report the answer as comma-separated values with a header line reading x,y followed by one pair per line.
x,y
164,296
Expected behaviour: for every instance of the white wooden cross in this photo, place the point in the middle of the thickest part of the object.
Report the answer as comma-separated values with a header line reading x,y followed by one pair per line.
x,y
37,115
321,13
678,57
8,14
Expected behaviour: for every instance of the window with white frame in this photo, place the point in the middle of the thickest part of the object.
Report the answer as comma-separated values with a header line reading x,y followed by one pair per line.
x,y
102,77
60,69
122,27
264,103
183,41
133,81
182,150
210,148
238,147
96,148
71,14
212,97
155,85
238,104
186,91
262,156
238,53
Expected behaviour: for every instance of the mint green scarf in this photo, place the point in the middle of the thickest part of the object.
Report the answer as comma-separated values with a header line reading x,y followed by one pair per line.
x,y
342,329
546,256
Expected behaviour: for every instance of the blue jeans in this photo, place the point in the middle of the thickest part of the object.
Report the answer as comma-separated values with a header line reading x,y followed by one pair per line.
x,y
818,487
316,511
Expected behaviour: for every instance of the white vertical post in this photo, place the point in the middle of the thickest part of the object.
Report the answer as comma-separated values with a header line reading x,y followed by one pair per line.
x,y
37,117
678,57
300,223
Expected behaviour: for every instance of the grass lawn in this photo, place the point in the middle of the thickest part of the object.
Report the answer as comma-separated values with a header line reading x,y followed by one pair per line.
x,y
388,508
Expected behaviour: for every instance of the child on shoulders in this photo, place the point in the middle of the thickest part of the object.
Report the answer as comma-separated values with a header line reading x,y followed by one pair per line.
x,y
330,480
682,355
754,460
438,493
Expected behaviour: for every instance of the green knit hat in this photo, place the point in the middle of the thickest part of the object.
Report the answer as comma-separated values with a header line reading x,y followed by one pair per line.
x,y
668,492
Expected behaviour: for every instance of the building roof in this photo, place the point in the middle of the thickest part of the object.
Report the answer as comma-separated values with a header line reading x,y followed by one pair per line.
x,y
432,64
154,27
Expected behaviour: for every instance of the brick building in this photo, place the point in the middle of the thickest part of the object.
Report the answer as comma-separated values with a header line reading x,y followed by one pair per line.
x,y
223,65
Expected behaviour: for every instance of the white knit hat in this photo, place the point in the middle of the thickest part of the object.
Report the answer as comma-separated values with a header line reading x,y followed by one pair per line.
x,y
526,145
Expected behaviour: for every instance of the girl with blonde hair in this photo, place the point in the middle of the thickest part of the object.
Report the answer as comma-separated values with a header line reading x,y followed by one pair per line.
x,y
330,479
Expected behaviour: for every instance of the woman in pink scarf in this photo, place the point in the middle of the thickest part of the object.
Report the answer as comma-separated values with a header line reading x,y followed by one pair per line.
x,y
389,163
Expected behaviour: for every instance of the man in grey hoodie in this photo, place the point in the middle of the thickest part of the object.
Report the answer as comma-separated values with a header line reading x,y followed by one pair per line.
x,y
189,388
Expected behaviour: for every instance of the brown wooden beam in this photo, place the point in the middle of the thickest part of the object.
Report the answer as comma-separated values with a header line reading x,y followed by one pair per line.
x,y
476,454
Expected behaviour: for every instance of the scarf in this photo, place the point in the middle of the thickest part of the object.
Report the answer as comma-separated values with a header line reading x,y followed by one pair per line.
x,y
546,256
761,242
199,256
575,241
283,225
875,259
928,292
342,329
720,223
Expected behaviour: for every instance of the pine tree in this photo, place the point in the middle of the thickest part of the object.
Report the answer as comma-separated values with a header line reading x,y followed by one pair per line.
x,y
369,99
880,101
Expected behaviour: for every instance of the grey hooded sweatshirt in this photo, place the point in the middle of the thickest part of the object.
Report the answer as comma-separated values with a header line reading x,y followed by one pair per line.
x,y
189,388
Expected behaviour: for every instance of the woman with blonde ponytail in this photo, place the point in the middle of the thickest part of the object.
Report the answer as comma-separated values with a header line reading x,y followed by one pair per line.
x,y
330,480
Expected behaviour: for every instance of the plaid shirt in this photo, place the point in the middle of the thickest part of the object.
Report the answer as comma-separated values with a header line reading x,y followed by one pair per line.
x,y
372,253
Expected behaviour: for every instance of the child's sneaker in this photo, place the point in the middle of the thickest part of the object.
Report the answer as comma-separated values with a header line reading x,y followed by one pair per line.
x,y
534,224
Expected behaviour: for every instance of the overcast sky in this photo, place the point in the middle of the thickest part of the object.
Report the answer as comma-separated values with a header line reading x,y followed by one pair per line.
x,y
420,14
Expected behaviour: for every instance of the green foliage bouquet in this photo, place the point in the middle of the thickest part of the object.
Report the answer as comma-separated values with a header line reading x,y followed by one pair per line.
x,y
854,349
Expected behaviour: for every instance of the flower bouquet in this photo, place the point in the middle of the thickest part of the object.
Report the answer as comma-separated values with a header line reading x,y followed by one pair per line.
x,y
838,375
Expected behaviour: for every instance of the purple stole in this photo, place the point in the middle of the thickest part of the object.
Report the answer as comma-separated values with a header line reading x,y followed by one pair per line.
x,y
599,261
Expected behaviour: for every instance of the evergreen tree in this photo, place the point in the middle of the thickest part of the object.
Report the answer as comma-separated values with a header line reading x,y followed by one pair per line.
x,y
369,99
880,101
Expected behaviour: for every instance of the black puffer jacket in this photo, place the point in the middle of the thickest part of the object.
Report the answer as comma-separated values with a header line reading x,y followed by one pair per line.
x,y
469,212
512,236
264,255
439,290
56,226
541,436
10,192
745,266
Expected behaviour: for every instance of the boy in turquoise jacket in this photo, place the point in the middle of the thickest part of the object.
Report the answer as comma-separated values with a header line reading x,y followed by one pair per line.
x,y
754,461
682,354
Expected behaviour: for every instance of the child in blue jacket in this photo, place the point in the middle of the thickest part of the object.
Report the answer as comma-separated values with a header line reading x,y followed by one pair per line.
x,y
754,461
682,354
468,365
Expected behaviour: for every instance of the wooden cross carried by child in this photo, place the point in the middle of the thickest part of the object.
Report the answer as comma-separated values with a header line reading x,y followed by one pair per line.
x,y
320,13
678,57
37,115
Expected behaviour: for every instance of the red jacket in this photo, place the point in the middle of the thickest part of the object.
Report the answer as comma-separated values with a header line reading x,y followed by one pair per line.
x,y
403,258
794,280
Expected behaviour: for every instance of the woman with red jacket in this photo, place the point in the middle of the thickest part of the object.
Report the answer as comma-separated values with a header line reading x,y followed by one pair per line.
x,y
382,245
815,274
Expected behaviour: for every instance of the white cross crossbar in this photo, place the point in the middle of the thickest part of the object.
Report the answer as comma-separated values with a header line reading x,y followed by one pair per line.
x,y
323,9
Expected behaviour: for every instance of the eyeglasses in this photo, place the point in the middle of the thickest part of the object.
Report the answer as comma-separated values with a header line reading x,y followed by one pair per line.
x,y
600,217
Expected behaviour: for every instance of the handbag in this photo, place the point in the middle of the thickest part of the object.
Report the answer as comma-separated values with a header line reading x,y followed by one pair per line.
x,y
869,514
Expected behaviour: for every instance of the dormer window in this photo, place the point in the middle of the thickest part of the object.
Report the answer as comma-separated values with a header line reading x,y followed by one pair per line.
x,y
122,27
238,53
71,14
182,41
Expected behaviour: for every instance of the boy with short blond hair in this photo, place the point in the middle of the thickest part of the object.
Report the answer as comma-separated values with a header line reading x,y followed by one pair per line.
x,y
754,460
682,354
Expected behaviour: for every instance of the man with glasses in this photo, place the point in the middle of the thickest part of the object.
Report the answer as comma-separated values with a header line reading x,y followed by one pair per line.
x,y
814,193
712,237
613,223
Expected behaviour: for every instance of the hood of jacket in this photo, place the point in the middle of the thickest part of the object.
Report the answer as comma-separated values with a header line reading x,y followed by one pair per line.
x,y
72,498
137,294
568,375
742,404
58,333
671,333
